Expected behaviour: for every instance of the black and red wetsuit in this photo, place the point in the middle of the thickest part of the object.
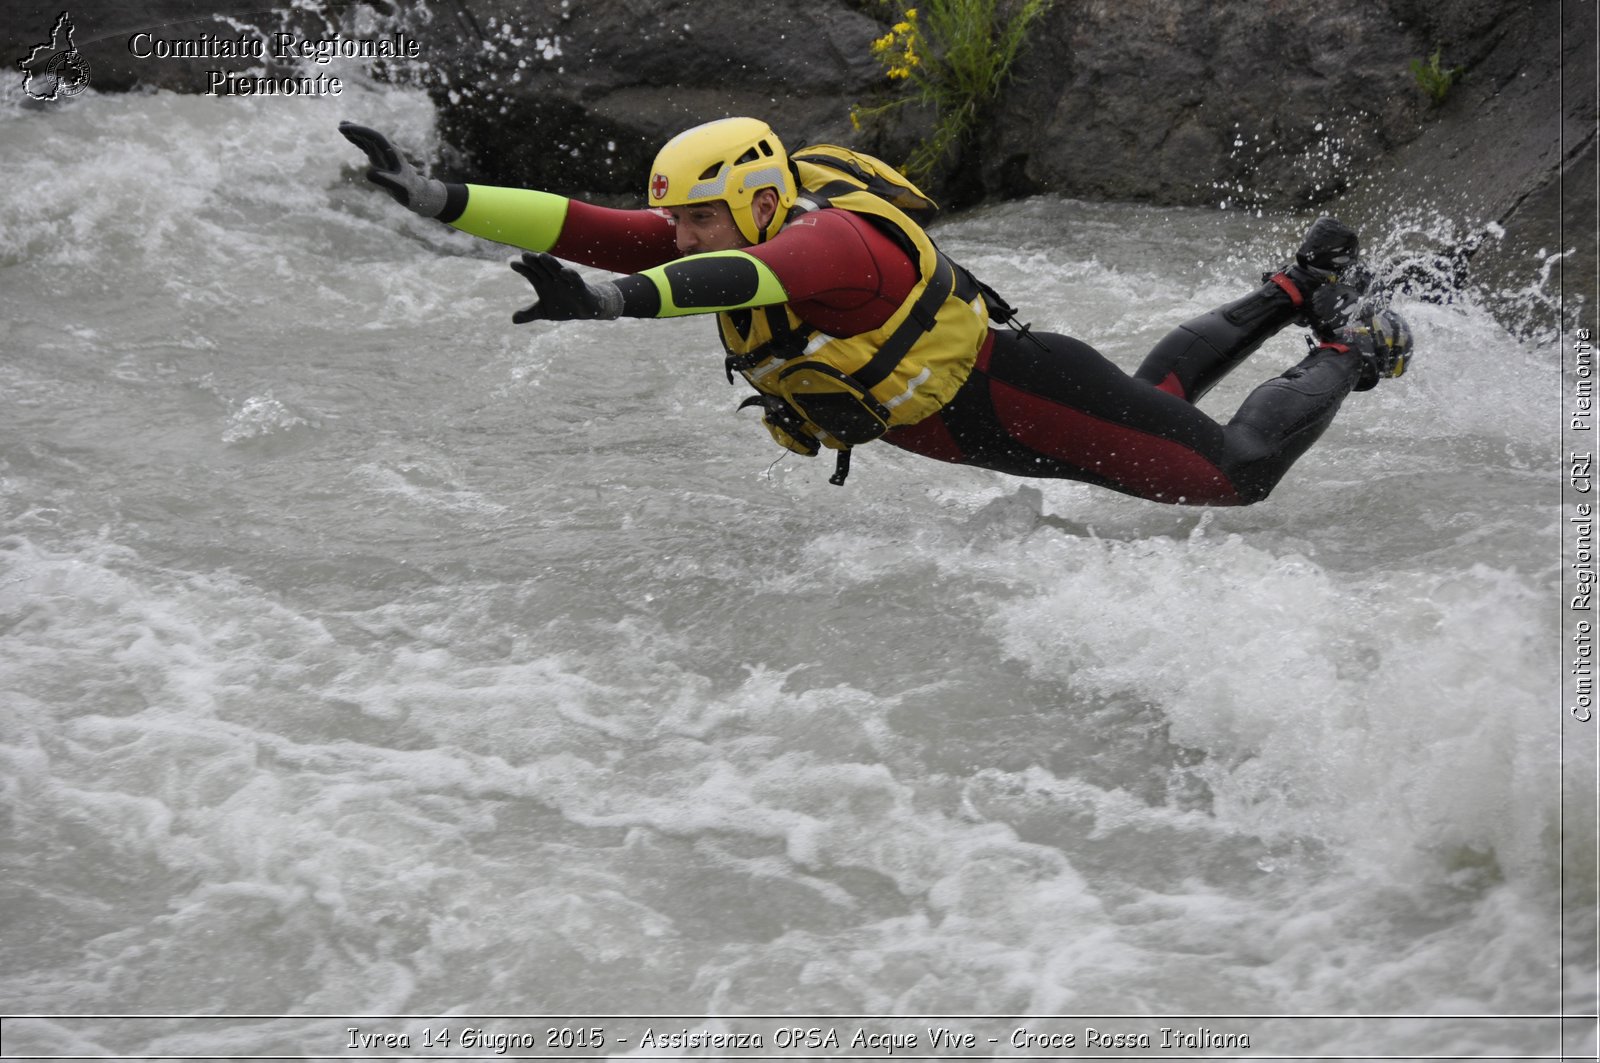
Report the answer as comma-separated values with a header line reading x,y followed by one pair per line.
x,y
1042,404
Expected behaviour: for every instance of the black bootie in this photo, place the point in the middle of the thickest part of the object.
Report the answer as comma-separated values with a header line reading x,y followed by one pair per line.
x,y
1327,278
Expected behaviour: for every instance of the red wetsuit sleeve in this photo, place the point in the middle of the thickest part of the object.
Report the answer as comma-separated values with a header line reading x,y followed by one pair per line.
x,y
842,274
622,241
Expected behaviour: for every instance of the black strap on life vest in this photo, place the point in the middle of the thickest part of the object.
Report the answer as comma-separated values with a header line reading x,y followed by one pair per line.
x,y
841,468
842,165
999,309
921,318
785,417
923,212
823,198
786,343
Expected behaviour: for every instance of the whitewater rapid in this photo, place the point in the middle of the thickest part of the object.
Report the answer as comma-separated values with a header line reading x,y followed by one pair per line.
x,y
362,653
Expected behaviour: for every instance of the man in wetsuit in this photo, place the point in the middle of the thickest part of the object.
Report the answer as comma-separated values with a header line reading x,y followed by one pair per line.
x,y
851,325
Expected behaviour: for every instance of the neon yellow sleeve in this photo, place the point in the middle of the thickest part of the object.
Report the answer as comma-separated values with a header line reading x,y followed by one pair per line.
x,y
705,284
521,217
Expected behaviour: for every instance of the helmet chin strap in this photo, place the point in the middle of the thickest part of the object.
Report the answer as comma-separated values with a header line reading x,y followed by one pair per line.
x,y
774,226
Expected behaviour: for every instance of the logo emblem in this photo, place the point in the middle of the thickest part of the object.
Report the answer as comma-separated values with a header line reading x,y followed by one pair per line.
x,y
55,68
658,186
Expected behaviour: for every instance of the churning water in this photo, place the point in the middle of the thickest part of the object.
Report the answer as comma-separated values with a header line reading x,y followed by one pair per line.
x,y
362,653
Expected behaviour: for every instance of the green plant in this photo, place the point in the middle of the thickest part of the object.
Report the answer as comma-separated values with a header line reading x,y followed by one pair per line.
x,y
1432,79
953,55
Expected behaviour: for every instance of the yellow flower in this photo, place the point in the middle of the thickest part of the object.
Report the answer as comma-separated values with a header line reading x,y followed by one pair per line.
x,y
897,49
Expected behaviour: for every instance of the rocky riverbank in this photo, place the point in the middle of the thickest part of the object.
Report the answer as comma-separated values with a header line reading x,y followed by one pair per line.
x,y
1274,106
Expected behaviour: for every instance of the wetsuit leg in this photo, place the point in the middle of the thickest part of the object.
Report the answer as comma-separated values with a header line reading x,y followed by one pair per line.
x,y
1280,419
1051,406
1191,358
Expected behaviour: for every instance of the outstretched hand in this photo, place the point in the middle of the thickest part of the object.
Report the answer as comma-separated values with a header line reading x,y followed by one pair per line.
x,y
391,172
563,294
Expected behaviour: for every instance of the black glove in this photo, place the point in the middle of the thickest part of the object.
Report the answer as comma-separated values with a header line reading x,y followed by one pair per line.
x,y
1330,305
563,294
391,172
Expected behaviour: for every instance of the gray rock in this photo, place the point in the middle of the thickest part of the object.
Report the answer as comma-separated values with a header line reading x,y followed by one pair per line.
x,y
1504,158
1261,105
1298,107
578,98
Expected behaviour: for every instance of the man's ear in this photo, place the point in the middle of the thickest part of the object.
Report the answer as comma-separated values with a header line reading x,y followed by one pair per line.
x,y
763,206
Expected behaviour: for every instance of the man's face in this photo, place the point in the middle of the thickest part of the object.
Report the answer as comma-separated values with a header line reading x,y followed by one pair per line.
x,y
706,227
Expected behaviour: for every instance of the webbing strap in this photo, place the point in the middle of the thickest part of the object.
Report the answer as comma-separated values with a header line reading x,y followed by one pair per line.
x,y
1282,281
824,195
841,468
921,318
918,321
785,343
843,165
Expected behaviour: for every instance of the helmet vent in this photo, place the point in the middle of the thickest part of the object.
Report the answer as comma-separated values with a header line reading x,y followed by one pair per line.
x,y
711,171
750,155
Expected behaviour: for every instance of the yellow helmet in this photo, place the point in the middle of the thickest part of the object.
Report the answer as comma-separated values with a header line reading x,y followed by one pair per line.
x,y
730,160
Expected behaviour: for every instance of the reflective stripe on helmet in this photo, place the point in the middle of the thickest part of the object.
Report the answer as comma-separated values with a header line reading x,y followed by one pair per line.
x,y
728,160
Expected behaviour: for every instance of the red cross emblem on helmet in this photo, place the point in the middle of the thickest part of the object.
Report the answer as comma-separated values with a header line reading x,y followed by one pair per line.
x,y
658,186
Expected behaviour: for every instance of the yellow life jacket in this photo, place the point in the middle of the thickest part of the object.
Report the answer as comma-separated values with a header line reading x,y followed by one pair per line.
x,y
842,391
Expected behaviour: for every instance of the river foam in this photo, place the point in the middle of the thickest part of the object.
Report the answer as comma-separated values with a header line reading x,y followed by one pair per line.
x,y
364,653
